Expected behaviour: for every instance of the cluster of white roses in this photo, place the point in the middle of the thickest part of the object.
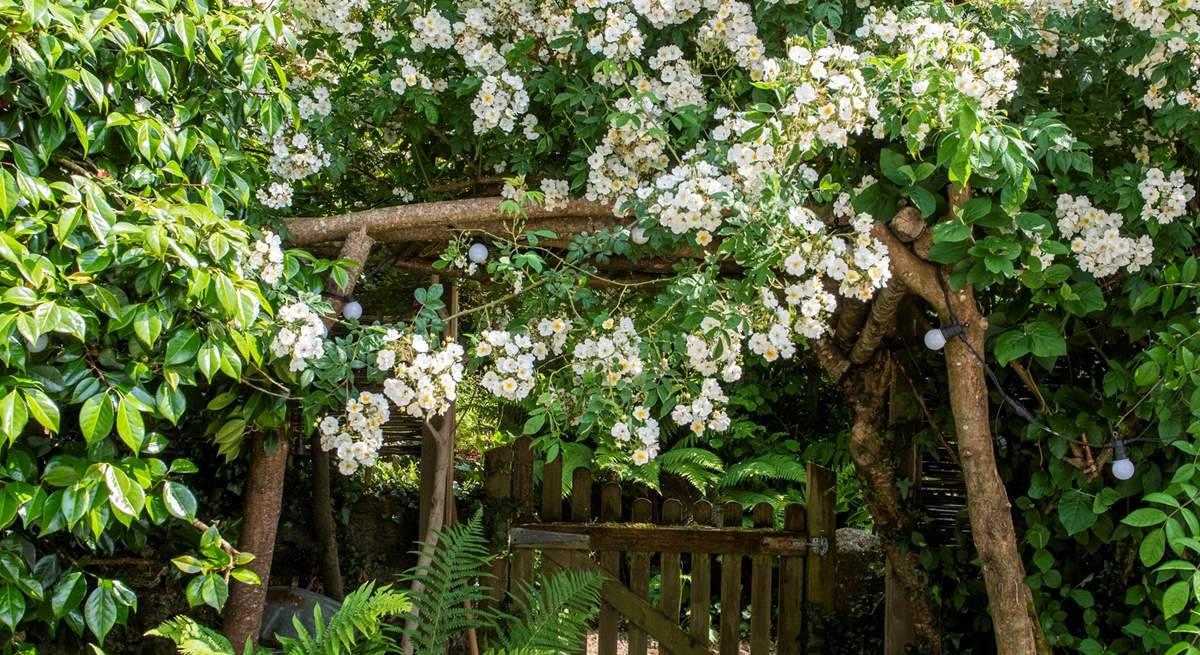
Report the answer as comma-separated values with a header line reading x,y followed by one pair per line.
x,y
614,352
688,198
510,373
356,442
499,103
829,100
1175,27
732,26
556,193
678,84
432,30
291,159
645,428
409,76
266,258
750,158
335,16
1166,197
937,51
630,150
301,335
424,382
662,13
314,104
618,38
705,411
1096,238
712,351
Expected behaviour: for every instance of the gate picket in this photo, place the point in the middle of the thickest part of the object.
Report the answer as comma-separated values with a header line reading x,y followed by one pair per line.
x,y
639,575
610,561
731,585
701,563
522,493
791,589
672,514
760,587
552,500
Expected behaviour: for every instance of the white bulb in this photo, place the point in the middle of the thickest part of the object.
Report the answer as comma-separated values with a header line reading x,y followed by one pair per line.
x,y
638,236
935,339
39,345
478,253
1122,469
352,311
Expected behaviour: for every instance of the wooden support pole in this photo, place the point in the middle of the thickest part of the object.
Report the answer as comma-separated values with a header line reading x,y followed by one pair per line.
x,y
820,569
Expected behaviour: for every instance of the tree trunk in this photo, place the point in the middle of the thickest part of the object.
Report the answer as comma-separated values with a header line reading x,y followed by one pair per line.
x,y
443,434
357,248
260,521
1011,602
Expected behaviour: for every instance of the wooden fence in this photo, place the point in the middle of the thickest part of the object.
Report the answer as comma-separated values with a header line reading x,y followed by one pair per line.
x,y
789,570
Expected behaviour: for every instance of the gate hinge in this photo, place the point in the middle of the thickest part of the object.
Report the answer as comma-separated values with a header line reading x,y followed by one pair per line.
x,y
819,546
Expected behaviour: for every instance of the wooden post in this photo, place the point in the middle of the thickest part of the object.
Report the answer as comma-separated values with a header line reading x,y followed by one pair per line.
x,y
672,514
639,575
497,485
581,503
731,586
700,620
820,568
791,588
898,625
610,561
552,501
760,587
522,493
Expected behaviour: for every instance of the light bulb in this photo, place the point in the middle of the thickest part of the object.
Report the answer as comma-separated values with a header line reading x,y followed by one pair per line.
x,y
1122,466
40,344
935,339
638,236
478,253
352,310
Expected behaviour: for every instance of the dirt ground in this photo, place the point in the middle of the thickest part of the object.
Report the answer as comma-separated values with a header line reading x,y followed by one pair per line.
x,y
593,645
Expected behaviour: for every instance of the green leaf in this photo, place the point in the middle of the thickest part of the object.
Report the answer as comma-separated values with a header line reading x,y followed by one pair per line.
x,y
1175,598
179,500
157,76
951,232
96,417
534,424
129,424
68,592
1010,345
890,162
182,347
1045,340
12,415
42,408
170,402
1075,512
1152,548
1145,517
100,611
12,606
1146,374
209,360
922,199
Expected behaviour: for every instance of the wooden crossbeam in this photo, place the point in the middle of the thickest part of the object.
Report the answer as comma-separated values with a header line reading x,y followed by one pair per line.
x,y
658,539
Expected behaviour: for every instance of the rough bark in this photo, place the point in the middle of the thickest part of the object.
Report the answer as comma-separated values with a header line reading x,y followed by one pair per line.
x,y
357,247
443,433
456,213
260,521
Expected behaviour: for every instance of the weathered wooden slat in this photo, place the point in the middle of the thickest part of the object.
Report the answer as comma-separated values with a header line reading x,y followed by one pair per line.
x,y
610,561
760,587
581,503
497,485
639,576
640,613
700,621
552,500
672,584
522,494
791,589
683,539
731,585
820,566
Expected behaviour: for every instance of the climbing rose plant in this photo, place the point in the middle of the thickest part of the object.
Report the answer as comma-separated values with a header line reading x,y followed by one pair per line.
x,y
152,151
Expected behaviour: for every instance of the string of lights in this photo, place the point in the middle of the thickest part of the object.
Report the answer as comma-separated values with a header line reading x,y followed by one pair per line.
x,y
1122,467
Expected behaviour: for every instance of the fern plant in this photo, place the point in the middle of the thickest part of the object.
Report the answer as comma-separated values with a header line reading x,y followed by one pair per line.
x,y
355,628
554,618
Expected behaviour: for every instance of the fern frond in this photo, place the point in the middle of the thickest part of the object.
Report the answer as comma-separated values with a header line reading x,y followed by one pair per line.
x,y
450,581
699,467
765,468
555,617
191,638
354,628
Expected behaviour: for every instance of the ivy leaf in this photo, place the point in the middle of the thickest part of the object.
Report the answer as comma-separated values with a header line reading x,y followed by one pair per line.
x,y
1075,512
96,418
130,425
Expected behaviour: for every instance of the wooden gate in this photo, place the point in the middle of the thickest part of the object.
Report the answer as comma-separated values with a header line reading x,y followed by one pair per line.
x,y
783,570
